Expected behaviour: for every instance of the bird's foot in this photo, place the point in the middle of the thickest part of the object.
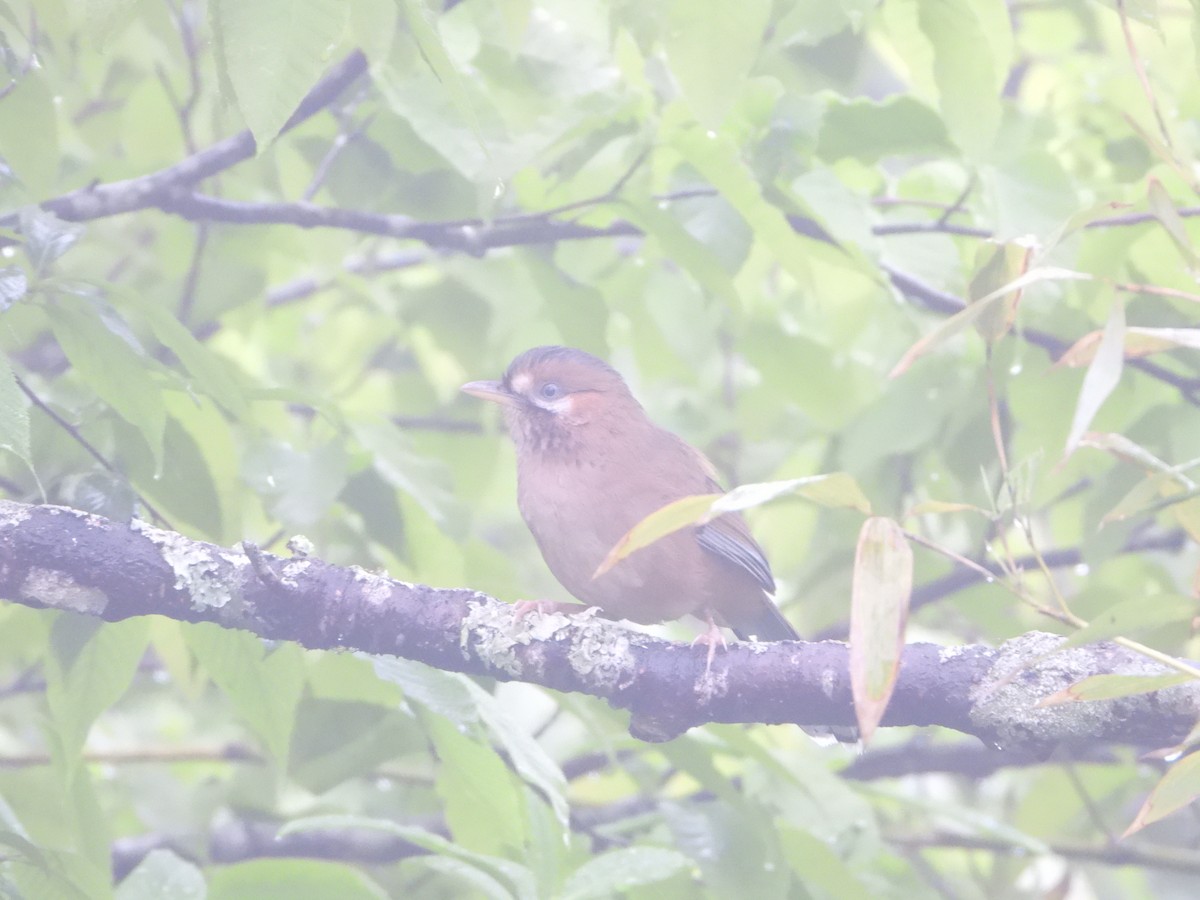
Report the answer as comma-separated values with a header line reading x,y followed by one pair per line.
x,y
711,637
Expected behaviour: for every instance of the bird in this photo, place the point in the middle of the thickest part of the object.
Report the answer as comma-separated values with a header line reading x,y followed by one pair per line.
x,y
591,464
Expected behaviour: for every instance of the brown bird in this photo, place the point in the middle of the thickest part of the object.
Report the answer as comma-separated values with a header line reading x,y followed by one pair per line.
x,y
590,466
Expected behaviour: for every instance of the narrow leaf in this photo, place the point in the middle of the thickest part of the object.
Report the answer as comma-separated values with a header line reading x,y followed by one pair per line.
x,y
883,575
835,489
997,265
1109,687
937,507
1164,210
1102,375
671,518
972,312
1138,614
1178,788
1139,342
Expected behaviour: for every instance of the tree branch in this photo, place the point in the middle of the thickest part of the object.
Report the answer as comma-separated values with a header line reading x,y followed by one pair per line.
x,y
101,200
65,559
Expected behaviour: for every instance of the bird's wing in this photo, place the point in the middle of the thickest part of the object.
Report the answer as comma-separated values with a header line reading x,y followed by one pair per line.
x,y
729,538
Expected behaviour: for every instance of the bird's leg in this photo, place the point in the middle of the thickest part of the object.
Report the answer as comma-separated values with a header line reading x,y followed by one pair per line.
x,y
711,637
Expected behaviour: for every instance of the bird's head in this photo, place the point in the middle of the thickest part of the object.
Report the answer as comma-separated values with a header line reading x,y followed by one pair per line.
x,y
551,395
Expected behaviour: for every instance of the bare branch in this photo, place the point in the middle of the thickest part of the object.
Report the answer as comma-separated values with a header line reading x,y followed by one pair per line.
x,y
65,559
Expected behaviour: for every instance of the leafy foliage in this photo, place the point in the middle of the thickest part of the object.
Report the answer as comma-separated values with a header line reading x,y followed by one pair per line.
x,y
757,212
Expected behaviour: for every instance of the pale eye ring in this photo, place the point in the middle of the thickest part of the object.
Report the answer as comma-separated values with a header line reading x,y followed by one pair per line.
x,y
549,391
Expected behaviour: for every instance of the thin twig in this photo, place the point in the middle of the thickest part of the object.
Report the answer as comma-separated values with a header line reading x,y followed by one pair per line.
x,y
1140,71
83,442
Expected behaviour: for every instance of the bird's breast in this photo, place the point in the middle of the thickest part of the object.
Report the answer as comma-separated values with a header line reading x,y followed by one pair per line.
x,y
579,509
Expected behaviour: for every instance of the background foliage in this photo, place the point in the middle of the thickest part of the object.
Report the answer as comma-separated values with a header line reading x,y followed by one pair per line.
x,y
753,210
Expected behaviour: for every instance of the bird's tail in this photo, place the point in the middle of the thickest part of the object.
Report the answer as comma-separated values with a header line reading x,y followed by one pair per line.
x,y
768,625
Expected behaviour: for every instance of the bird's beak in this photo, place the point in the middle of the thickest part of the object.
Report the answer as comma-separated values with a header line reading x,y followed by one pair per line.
x,y
492,391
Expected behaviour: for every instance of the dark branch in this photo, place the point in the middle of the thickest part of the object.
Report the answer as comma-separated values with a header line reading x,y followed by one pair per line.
x,y
65,559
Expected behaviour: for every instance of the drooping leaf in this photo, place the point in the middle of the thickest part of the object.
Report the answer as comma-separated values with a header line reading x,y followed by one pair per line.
x,y
1177,789
882,588
1164,210
836,490
1102,376
968,72
996,265
671,518
272,53
710,49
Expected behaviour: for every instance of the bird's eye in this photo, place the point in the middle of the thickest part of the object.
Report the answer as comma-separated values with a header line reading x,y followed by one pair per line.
x,y
549,391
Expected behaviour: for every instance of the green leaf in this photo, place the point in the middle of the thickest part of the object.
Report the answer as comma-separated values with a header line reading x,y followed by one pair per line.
x,y
836,490
464,703
818,865
868,131
299,485
719,160
29,134
1103,375
516,878
967,72
681,247
996,265
711,49
1109,687
118,371
273,52
161,875
420,24
524,753
611,873
481,802
976,309
1177,789
444,693
292,879
882,588
213,373
91,667
14,414
842,212
46,237
425,480
1168,216
13,286
1138,614
264,688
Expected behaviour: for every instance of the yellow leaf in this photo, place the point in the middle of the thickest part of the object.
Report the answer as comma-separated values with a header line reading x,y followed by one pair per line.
x,y
883,574
1178,788
675,515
